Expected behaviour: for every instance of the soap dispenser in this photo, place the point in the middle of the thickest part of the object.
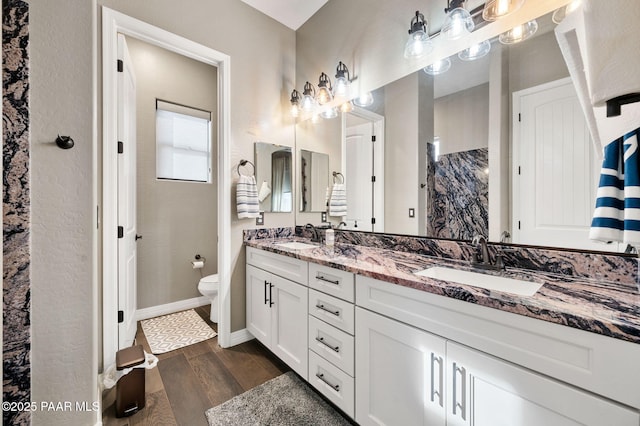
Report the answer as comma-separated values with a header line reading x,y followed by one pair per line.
x,y
329,237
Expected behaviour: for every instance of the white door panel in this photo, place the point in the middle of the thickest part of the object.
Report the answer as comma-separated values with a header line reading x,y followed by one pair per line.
x,y
127,263
555,169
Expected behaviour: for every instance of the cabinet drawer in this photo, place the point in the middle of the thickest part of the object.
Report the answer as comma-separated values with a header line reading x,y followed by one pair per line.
x,y
332,344
284,266
332,382
331,310
332,281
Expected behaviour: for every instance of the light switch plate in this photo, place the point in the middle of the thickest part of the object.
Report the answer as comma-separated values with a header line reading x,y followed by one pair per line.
x,y
260,219
324,217
412,212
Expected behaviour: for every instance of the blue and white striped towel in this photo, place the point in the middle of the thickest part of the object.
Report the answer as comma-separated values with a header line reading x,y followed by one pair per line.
x,y
617,213
338,200
247,197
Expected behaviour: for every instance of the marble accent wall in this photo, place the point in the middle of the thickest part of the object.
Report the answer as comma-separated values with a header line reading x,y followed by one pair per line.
x,y
460,207
16,343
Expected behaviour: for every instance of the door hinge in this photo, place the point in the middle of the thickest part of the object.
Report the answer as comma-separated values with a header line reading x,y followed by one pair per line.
x,y
519,117
518,224
373,220
373,178
120,65
373,138
120,317
519,170
120,147
120,232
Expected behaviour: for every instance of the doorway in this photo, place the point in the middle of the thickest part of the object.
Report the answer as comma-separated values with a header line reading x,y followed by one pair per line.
x,y
363,166
113,24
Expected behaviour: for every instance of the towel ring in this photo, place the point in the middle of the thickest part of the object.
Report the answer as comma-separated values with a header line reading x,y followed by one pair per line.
x,y
244,163
335,175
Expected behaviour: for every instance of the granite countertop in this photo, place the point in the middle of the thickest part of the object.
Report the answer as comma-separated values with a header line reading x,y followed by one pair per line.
x,y
598,306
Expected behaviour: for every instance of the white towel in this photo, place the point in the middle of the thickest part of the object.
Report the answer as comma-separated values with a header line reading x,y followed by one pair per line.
x,y
247,197
612,33
264,191
338,200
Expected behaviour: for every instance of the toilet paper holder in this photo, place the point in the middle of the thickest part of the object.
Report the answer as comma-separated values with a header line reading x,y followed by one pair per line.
x,y
198,263
201,258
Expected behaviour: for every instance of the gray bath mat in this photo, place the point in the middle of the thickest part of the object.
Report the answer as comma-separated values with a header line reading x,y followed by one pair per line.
x,y
283,401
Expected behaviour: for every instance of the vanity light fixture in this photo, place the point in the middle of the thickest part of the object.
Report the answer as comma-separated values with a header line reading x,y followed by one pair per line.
x,y
364,100
342,88
476,51
295,103
496,9
418,43
308,98
458,21
324,90
438,67
519,33
559,15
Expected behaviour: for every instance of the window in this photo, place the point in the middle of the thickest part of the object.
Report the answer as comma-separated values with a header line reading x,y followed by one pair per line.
x,y
183,143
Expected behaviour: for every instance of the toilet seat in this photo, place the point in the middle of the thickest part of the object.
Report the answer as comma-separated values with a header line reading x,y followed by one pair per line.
x,y
209,282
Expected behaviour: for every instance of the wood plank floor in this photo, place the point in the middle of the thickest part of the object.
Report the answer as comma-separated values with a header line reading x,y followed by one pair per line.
x,y
190,380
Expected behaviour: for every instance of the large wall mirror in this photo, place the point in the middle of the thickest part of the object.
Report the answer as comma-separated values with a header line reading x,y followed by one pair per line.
x,y
314,181
498,146
274,177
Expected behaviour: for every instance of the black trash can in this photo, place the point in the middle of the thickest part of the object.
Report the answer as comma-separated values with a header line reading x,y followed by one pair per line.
x,y
130,388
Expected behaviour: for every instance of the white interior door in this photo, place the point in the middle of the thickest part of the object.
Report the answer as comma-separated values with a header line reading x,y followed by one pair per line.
x,y
126,198
364,171
555,172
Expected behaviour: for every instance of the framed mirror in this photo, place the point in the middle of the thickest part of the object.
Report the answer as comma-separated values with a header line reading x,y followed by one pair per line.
x,y
274,177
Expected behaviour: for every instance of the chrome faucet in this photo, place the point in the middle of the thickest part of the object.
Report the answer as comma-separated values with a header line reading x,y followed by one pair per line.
x,y
482,258
341,224
315,235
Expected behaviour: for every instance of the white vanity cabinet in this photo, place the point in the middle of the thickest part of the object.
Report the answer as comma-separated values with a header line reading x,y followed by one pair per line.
x,y
400,373
331,335
277,308
487,391
409,370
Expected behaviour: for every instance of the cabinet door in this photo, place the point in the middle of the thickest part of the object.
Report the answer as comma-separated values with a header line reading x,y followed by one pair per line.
x,y
487,391
289,324
258,311
399,373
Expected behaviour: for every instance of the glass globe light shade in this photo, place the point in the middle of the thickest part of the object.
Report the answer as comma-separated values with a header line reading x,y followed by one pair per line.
x,y
560,14
329,113
308,103
476,51
496,9
295,110
519,33
457,24
364,100
438,67
342,88
346,107
417,45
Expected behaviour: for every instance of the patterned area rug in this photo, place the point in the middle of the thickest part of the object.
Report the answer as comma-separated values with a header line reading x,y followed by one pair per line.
x,y
283,401
171,332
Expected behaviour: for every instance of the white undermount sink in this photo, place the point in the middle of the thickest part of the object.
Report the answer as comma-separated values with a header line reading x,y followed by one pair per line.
x,y
296,245
476,279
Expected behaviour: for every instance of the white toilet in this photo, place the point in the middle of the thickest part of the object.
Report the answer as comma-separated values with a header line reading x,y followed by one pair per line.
x,y
208,286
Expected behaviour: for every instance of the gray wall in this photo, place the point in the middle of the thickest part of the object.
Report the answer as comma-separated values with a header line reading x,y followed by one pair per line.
x,y
176,219
64,301
462,120
65,307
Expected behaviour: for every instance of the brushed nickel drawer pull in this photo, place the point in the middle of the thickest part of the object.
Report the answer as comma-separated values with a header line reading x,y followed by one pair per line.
x,y
321,307
327,280
321,377
334,348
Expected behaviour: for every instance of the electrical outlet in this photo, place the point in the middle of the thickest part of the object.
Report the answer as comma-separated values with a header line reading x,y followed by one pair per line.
x,y
260,219
324,217
412,212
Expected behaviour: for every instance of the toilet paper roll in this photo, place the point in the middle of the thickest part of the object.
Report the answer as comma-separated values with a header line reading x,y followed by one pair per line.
x,y
198,264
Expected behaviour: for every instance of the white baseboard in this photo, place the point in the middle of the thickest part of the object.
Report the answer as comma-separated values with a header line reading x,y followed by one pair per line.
x,y
240,336
170,308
